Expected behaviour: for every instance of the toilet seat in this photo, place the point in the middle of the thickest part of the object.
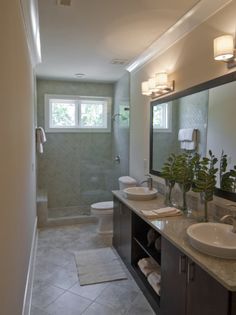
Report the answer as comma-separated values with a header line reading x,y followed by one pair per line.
x,y
103,208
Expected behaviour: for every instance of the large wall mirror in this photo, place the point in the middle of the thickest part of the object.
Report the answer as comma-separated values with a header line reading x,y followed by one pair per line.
x,y
210,110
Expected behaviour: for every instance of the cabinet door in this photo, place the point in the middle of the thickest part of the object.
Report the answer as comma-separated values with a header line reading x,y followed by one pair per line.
x,y
116,225
173,280
205,296
125,234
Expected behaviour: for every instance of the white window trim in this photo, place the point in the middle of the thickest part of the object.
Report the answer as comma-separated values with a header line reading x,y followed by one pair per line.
x,y
47,113
169,129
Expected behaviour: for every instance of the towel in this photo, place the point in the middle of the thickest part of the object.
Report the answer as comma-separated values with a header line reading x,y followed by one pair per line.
x,y
186,134
188,145
40,139
148,265
154,278
161,213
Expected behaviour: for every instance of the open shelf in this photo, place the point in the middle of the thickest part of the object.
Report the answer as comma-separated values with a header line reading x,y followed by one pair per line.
x,y
150,251
152,296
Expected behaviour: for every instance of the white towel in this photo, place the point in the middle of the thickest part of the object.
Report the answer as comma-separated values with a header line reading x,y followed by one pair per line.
x,y
40,139
186,134
148,265
154,278
188,145
161,213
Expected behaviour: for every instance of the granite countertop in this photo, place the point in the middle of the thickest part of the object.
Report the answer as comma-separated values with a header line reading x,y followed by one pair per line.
x,y
174,230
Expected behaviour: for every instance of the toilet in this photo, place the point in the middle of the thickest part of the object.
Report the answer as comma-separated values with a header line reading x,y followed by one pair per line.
x,y
104,210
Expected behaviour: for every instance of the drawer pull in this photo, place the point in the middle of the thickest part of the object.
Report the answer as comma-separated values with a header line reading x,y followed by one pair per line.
x,y
191,271
182,264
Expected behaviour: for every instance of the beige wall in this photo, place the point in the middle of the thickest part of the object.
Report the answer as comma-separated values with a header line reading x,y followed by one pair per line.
x,y
17,175
190,61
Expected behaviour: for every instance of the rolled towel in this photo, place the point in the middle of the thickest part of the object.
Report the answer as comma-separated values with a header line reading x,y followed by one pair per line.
x,y
154,277
148,265
157,243
151,237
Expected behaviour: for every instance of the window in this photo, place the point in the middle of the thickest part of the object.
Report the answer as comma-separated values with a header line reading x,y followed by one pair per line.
x,y
77,114
162,117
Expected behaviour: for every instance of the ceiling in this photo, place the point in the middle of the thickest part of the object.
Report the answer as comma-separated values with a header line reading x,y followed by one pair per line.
x,y
86,36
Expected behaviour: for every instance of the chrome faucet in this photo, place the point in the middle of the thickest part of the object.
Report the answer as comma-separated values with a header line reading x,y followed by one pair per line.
x,y
149,181
230,218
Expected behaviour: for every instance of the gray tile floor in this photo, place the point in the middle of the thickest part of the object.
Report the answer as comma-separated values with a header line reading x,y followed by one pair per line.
x,y
56,285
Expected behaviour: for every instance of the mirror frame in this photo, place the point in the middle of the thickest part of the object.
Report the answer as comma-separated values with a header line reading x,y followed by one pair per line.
x,y
227,78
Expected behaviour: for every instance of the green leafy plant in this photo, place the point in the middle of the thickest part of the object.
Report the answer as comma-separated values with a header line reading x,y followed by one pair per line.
x,y
167,173
227,178
205,180
184,168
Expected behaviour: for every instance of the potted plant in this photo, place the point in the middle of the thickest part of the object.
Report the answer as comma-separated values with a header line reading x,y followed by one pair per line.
x,y
167,173
205,180
184,168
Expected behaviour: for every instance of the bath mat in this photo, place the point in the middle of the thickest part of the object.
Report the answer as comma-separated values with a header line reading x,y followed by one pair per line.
x,y
98,265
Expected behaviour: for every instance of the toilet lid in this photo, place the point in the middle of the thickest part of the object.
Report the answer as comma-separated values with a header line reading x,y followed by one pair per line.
x,y
102,205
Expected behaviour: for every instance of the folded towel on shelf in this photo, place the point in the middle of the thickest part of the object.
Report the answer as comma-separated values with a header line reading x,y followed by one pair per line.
x,y
154,278
156,288
161,213
148,265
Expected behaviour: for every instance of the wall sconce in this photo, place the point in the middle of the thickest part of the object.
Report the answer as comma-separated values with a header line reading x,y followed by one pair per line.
x,y
158,85
224,50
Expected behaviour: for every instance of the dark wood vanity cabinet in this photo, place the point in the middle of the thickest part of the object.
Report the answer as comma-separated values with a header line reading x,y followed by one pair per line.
x,y
187,289
122,231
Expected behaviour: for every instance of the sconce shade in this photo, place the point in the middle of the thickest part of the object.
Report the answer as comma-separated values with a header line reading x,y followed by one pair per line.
x,y
161,80
224,47
145,88
151,84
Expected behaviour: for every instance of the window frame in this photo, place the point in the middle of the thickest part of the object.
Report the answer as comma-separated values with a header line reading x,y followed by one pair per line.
x,y
169,119
78,99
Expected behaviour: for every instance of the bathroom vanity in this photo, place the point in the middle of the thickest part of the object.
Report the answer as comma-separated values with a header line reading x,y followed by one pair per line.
x,y
192,283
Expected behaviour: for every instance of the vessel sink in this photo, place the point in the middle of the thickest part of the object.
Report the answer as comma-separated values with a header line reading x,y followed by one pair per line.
x,y
140,193
215,239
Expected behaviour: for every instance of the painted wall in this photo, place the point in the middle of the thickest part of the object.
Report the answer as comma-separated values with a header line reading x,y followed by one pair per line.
x,y
190,62
120,144
17,159
76,169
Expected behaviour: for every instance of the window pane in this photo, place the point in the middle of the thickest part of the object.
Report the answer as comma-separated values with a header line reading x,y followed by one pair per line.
x,y
93,115
160,116
62,114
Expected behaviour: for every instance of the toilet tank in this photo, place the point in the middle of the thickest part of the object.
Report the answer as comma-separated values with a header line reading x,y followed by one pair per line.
x,y
126,181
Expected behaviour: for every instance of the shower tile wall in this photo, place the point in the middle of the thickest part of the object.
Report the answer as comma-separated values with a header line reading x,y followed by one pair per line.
x,y
76,168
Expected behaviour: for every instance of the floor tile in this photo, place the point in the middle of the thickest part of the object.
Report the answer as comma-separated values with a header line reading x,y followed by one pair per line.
x,y
56,286
44,295
89,291
68,304
37,311
117,297
98,309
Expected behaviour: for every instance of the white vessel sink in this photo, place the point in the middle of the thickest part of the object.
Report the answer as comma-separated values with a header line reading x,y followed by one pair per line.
x,y
215,239
140,193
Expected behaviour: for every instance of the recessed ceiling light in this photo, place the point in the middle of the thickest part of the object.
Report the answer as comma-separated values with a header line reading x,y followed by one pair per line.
x,y
79,75
119,61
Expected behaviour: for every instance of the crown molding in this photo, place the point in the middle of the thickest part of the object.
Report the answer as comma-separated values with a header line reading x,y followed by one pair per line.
x,y
185,25
29,10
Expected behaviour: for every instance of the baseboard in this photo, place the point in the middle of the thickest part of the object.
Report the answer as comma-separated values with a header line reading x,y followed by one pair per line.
x,y
30,273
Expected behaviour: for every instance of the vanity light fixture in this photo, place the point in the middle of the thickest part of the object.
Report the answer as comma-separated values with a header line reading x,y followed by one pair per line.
x,y
224,50
158,85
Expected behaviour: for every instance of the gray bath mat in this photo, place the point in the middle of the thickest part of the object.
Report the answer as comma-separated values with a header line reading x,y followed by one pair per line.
x,y
98,265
